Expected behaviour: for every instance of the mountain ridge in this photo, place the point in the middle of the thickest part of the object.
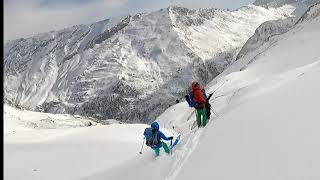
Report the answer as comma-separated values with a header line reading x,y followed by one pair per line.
x,y
130,68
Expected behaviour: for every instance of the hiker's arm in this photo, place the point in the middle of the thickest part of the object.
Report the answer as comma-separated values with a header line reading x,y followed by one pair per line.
x,y
164,137
209,96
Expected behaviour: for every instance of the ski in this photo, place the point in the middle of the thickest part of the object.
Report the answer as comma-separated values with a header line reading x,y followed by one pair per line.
x,y
176,141
194,125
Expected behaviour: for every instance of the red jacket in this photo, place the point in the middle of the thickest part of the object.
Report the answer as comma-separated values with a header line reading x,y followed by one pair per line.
x,y
198,97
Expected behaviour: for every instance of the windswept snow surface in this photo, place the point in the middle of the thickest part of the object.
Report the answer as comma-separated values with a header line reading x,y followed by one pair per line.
x,y
268,114
267,127
64,153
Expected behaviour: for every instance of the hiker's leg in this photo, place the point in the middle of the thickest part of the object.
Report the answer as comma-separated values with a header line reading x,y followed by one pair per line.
x,y
204,116
165,147
198,113
157,151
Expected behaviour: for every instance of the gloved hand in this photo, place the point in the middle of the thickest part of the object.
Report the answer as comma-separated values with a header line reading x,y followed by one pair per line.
x,y
170,137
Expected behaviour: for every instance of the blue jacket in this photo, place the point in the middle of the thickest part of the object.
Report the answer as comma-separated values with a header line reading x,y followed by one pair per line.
x,y
161,136
156,126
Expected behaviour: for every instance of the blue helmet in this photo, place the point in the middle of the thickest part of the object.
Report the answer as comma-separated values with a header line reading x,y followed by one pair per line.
x,y
155,125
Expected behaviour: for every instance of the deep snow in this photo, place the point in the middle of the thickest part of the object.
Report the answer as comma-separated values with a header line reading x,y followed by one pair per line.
x,y
267,127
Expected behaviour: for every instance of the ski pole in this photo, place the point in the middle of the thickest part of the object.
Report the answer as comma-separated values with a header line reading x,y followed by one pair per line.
x,y
214,113
219,86
215,91
171,140
142,146
171,146
172,131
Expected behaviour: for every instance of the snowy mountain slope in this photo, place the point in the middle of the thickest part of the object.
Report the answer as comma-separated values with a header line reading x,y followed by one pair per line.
x,y
127,68
278,3
256,47
312,12
226,30
259,139
273,28
264,32
21,119
266,128
68,153
300,5
61,151
267,123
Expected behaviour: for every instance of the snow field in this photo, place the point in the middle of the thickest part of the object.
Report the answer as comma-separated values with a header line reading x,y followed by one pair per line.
x,y
267,128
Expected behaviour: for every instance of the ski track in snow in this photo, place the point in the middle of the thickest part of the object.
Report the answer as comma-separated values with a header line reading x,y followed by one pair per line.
x,y
182,155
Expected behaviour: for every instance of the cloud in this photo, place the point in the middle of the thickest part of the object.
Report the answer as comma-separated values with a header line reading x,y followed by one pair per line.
x,y
23,19
26,18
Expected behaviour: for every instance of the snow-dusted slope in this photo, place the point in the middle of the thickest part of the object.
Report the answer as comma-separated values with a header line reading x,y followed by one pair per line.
x,y
268,114
276,27
278,3
128,68
302,5
264,32
16,119
69,153
225,31
266,128
267,123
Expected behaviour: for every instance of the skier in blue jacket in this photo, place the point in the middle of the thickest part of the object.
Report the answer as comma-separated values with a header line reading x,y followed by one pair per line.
x,y
156,127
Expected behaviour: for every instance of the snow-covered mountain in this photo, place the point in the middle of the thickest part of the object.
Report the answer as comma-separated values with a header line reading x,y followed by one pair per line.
x,y
278,3
129,68
265,126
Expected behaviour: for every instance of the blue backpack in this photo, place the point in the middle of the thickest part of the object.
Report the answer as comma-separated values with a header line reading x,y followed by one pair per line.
x,y
152,137
189,98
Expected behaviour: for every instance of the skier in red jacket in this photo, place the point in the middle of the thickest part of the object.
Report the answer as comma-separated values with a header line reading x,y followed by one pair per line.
x,y
200,107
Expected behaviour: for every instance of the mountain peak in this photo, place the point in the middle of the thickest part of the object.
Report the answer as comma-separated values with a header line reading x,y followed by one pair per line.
x,y
129,68
278,3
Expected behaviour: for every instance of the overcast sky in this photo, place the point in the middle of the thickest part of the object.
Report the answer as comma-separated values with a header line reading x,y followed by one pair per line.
x,y
23,18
